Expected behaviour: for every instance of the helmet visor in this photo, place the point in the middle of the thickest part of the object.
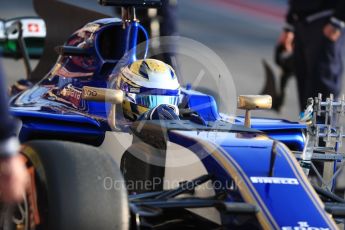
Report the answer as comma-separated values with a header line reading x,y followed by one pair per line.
x,y
151,101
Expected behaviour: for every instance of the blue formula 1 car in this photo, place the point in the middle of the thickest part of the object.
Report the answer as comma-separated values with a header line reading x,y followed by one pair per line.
x,y
112,141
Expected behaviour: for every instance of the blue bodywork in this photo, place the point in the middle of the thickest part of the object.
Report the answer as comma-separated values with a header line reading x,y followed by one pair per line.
x,y
242,158
54,109
57,98
33,106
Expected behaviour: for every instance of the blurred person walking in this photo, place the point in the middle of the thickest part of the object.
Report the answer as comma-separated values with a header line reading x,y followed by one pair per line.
x,y
315,32
13,174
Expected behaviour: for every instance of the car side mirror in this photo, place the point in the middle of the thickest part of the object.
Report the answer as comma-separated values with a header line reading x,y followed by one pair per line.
x,y
253,102
113,96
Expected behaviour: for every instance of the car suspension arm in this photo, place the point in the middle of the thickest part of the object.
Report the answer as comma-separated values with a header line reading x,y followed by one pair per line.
x,y
185,187
228,207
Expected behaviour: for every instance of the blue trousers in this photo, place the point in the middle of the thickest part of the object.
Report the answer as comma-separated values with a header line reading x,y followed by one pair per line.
x,y
318,61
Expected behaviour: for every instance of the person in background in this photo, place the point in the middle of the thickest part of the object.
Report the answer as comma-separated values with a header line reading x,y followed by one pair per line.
x,y
13,174
315,32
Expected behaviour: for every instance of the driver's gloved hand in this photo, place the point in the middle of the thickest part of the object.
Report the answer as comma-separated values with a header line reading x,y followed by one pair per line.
x,y
161,112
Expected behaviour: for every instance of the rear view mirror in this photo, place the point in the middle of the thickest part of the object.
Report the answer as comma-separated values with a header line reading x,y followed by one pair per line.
x,y
253,102
112,96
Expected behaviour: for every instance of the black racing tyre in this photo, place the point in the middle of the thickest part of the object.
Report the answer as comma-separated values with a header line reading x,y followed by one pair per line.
x,y
70,181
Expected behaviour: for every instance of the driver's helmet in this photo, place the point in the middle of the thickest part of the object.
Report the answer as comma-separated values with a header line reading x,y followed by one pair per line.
x,y
147,84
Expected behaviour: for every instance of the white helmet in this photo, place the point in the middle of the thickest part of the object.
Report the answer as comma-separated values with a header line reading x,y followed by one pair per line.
x,y
147,83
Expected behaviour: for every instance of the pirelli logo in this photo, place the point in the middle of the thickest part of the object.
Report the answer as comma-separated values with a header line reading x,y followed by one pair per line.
x,y
274,180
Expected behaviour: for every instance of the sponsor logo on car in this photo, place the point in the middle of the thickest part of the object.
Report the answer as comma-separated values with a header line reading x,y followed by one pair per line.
x,y
69,95
303,225
33,27
274,180
72,94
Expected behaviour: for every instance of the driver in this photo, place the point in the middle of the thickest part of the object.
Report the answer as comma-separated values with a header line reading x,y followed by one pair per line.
x,y
152,90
